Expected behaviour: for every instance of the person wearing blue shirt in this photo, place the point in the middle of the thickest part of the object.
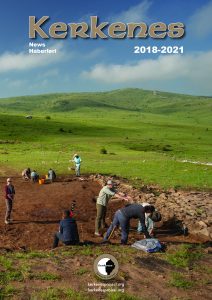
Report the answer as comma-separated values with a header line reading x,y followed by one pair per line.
x,y
77,160
68,232
34,176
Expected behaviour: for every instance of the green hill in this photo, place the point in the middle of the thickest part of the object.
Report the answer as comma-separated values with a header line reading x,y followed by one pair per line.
x,y
145,133
135,100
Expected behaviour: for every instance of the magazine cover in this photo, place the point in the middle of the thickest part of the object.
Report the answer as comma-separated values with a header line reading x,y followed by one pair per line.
x,y
105,150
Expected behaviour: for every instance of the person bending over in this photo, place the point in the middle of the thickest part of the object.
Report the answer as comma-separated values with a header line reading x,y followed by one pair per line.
x,y
26,174
123,216
34,176
150,219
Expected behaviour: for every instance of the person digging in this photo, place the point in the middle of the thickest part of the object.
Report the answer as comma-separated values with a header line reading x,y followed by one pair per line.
x,y
77,160
122,218
34,176
9,198
26,174
105,194
150,219
68,232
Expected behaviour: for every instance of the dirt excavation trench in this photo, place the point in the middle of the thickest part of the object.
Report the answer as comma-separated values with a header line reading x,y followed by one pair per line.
x,y
38,209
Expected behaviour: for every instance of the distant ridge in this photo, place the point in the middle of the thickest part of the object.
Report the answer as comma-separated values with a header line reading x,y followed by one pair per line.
x,y
129,99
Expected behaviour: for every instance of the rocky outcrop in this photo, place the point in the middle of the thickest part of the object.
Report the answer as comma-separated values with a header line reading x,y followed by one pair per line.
x,y
191,209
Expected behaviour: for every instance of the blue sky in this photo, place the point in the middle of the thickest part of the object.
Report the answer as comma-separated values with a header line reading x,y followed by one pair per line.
x,y
98,65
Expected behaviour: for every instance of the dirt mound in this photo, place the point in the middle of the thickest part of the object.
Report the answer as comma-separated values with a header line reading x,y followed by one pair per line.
x,y
182,211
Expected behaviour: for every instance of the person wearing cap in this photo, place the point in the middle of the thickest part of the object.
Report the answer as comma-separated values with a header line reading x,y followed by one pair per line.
x,y
105,194
150,219
123,216
77,160
9,198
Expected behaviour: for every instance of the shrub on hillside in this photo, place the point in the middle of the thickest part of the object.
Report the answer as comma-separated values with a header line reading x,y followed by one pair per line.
x,y
103,151
61,130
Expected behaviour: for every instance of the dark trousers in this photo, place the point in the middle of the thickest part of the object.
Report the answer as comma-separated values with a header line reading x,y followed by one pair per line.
x,y
119,220
59,237
35,178
100,217
9,206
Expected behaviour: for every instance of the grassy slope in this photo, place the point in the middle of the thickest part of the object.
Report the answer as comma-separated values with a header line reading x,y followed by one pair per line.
x,y
147,133
184,272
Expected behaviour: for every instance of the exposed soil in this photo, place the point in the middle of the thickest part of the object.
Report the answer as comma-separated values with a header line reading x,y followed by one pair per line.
x,y
38,209
36,214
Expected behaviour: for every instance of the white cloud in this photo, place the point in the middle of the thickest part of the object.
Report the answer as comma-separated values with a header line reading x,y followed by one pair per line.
x,y
49,73
93,54
23,61
17,83
200,24
193,68
136,13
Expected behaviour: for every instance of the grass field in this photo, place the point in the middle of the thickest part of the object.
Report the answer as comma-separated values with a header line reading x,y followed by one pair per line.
x,y
146,134
45,276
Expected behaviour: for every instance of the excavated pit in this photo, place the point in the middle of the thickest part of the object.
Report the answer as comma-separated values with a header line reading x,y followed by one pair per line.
x,y
38,209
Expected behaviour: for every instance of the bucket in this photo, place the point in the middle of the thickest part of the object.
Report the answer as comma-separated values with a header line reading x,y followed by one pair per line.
x,y
41,181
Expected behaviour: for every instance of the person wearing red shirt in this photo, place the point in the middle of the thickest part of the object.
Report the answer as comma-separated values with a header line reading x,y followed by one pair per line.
x,y
9,198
